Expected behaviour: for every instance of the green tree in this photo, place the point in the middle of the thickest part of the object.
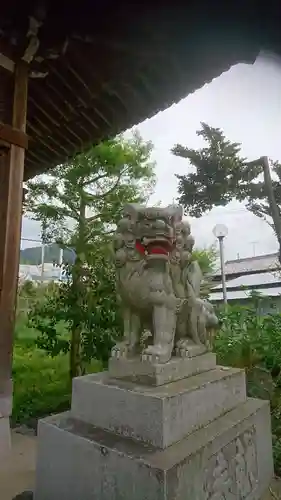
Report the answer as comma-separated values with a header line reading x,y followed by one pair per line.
x,y
97,316
78,205
82,199
207,259
220,174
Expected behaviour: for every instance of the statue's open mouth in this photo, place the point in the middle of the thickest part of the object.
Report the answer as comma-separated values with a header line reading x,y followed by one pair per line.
x,y
155,246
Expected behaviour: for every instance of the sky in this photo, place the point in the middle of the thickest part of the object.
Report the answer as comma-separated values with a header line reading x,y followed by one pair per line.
x,y
245,102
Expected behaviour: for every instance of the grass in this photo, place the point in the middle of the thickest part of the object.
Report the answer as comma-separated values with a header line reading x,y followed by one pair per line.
x,y
41,383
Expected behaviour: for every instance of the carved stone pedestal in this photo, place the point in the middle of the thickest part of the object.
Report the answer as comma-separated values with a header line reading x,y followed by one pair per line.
x,y
140,438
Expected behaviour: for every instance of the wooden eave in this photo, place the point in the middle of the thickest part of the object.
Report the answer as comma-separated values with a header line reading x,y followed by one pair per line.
x,y
101,68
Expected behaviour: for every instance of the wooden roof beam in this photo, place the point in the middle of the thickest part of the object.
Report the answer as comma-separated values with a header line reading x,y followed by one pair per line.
x,y
7,63
41,158
82,101
64,103
44,112
39,135
146,53
57,130
7,57
13,136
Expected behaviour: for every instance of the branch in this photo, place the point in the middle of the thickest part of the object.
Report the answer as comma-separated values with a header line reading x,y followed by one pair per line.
x,y
111,190
93,217
275,212
96,179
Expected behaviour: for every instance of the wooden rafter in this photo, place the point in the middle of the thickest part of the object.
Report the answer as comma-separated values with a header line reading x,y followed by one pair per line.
x,y
11,135
101,78
7,63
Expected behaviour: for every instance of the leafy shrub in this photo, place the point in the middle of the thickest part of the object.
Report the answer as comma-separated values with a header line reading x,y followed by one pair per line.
x,y
247,339
41,383
251,341
276,436
90,308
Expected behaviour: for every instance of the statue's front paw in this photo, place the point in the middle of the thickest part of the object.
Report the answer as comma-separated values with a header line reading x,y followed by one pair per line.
x,y
120,350
157,354
185,348
182,348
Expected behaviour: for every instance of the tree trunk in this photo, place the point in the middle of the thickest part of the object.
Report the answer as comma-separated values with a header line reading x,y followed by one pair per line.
x,y
274,209
75,342
75,347
75,357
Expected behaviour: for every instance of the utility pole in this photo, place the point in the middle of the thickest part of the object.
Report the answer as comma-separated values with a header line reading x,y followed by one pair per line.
x,y
43,243
254,247
60,262
42,260
220,231
269,190
272,201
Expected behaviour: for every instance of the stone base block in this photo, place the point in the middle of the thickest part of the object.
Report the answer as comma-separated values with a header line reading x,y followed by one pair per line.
x,y
160,415
230,459
5,437
145,372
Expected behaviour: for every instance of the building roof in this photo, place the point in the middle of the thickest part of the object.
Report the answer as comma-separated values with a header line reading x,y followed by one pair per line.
x,y
250,265
252,280
267,284
244,294
101,67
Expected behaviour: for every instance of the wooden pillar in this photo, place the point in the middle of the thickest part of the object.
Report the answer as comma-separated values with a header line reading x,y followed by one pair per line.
x,y
11,192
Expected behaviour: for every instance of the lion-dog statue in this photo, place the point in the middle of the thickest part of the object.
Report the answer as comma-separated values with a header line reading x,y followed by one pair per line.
x,y
158,285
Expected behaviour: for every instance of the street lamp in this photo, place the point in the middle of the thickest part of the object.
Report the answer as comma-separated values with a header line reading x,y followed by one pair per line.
x,y
220,231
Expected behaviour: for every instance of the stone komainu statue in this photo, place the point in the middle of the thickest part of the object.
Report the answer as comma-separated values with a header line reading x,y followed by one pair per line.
x,y
158,285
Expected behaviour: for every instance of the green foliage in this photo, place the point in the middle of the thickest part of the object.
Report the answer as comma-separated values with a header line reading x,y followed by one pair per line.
x,y
27,295
78,205
206,258
257,196
27,289
276,437
218,171
99,182
41,383
248,340
221,174
94,311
